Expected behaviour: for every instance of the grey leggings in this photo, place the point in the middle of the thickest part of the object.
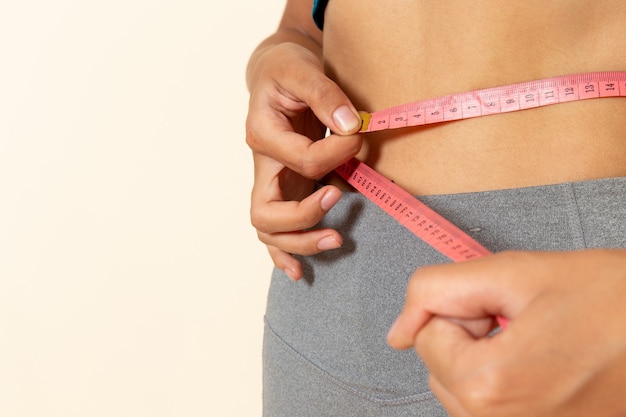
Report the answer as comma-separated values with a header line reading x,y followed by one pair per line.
x,y
324,350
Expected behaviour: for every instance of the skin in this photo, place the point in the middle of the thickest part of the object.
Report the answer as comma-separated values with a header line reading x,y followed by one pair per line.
x,y
462,46
563,352
422,50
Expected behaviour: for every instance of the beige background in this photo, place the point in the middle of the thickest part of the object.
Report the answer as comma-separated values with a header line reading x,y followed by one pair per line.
x,y
131,283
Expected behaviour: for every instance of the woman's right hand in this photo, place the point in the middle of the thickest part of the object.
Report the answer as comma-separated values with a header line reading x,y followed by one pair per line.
x,y
291,103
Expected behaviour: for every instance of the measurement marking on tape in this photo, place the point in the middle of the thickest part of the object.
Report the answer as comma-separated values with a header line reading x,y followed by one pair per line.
x,y
424,222
415,215
497,100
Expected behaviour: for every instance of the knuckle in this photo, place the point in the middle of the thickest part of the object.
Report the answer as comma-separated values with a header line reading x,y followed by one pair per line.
x,y
420,277
259,221
253,138
414,283
322,90
311,168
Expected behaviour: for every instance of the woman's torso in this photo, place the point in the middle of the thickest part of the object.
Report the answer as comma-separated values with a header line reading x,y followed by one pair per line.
x,y
384,54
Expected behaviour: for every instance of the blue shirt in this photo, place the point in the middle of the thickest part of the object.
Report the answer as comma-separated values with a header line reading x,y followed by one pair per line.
x,y
319,6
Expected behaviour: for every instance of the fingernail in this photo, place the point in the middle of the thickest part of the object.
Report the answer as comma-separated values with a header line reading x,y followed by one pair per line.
x,y
328,243
330,199
346,119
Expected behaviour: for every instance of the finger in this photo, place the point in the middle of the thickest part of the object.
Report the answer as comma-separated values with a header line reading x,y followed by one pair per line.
x,y
316,159
286,263
415,313
459,290
287,216
285,112
483,288
305,82
310,158
303,243
272,133
477,328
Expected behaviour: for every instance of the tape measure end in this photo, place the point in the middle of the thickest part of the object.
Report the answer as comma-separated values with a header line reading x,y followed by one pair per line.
x,y
365,120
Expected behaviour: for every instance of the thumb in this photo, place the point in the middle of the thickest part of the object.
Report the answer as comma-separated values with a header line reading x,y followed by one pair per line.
x,y
330,104
323,96
346,120
475,290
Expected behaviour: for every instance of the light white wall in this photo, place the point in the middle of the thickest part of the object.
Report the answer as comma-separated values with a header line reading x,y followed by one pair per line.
x,y
131,282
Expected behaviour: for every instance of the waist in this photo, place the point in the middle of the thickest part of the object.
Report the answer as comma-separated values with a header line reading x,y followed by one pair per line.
x,y
563,143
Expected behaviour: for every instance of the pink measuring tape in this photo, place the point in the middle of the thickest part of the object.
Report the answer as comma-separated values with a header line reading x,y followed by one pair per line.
x,y
424,222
